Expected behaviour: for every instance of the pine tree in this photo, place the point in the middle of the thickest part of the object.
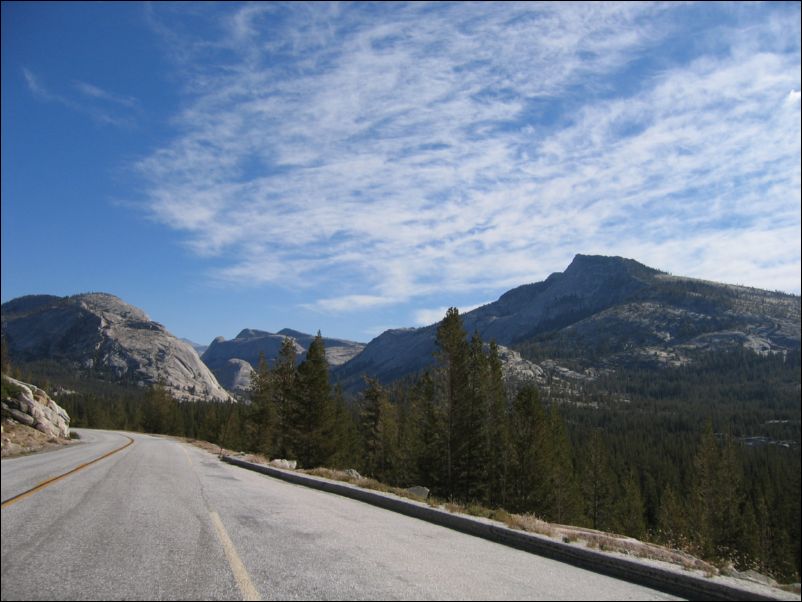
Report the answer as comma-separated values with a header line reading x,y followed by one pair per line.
x,y
728,503
285,393
5,359
379,425
470,434
432,467
598,484
410,435
262,418
528,438
313,418
158,412
672,524
231,435
705,469
562,493
453,360
630,508
498,432
347,452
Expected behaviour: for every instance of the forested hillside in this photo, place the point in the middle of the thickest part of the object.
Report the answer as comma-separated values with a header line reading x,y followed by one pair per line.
x,y
704,457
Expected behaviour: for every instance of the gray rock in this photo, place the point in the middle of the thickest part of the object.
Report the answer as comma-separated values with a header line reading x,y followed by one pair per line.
x,y
233,361
353,473
236,375
285,464
33,407
754,576
200,349
100,332
21,417
635,314
338,351
419,491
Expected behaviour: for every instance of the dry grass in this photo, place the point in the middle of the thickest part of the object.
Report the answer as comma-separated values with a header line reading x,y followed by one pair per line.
x,y
607,542
363,482
21,439
531,524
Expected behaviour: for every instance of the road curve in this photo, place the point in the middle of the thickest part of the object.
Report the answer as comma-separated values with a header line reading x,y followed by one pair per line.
x,y
164,520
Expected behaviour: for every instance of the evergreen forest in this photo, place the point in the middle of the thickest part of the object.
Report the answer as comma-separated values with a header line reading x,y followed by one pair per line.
x,y
703,457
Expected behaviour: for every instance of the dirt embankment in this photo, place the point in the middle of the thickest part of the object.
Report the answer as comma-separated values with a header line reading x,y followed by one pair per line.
x,y
19,439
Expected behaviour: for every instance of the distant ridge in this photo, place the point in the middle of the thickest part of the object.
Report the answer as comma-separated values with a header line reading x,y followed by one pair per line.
x,y
614,309
232,361
101,333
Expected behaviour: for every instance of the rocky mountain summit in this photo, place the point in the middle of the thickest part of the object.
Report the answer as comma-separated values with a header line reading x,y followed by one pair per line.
x,y
101,334
602,313
233,361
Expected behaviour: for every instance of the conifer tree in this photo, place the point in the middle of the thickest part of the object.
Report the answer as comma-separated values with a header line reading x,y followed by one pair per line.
x,y
630,508
285,393
470,442
528,443
705,469
453,360
432,465
672,524
728,503
231,434
347,452
158,415
379,425
598,484
5,359
410,435
562,492
498,431
313,418
262,419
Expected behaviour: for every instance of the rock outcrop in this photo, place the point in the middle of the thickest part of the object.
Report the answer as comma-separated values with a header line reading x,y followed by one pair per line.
x,y
100,334
602,312
233,361
31,406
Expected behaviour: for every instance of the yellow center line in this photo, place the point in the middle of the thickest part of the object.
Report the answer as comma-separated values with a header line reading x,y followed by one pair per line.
x,y
186,453
246,586
241,576
48,482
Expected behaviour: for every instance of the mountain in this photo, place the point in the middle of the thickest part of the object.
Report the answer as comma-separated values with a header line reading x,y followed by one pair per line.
x,y
602,313
233,361
200,349
101,334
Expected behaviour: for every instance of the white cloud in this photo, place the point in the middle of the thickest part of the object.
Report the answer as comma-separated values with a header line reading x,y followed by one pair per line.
x,y
35,86
348,303
793,97
98,93
120,115
386,159
425,317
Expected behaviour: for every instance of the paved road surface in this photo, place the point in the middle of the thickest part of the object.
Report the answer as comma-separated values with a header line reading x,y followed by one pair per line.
x,y
165,520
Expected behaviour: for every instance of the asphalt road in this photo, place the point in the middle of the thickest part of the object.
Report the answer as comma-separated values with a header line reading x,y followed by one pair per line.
x,y
165,520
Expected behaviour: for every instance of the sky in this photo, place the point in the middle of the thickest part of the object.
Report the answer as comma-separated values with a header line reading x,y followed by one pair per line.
x,y
351,168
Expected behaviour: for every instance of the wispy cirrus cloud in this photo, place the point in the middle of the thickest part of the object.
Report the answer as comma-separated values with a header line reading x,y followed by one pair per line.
x,y
100,105
94,92
432,315
349,303
389,154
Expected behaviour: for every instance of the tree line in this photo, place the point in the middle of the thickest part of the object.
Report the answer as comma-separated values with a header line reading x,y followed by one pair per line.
x,y
458,430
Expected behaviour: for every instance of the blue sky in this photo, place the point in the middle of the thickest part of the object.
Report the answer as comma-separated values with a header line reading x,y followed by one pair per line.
x,y
357,167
